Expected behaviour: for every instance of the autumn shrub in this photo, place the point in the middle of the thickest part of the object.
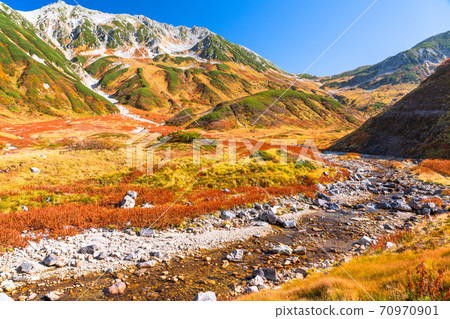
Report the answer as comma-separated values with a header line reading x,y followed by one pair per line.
x,y
397,237
428,284
436,165
184,137
436,200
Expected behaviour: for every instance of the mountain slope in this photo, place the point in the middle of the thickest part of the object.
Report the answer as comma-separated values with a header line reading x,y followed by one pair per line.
x,y
77,30
36,79
294,108
416,126
153,66
409,66
370,89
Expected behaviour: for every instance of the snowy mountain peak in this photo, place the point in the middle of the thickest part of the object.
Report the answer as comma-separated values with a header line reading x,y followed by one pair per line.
x,y
80,31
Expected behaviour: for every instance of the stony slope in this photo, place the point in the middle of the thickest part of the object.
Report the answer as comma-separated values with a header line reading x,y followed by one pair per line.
x,y
416,126
36,79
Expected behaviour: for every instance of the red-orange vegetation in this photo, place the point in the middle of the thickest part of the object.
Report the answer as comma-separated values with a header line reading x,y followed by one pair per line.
x,y
438,201
436,165
69,219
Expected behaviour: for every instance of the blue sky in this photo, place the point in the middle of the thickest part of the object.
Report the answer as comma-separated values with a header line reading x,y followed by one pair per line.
x,y
293,33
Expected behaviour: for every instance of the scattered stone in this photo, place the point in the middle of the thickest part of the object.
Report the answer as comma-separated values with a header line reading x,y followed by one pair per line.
x,y
52,296
24,208
251,289
101,255
132,194
300,250
148,264
267,273
227,215
8,285
205,296
27,268
90,249
289,224
364,241
43,156
257,281
282,249
147,232
127,202
236,255
35,170
117,289
51,260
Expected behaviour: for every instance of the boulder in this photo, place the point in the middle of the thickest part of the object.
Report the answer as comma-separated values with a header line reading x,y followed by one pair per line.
x,y
267,273
415,205
251,289
282,249
132,194
323,196
117,289
148,264
384,205
227,215
205,296
366,241
302,270
257,281
333,206
52,296
300,250
131,257
35,170
236,255
390,245
147,232
51,260
27,268
127,202
101,255
8,285
289,224
90,249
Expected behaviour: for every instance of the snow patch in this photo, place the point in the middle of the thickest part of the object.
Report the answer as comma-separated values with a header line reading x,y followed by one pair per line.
x,y
38,59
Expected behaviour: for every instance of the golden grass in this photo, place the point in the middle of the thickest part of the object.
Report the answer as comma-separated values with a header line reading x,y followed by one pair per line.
x,y
436,171
60,167
381,276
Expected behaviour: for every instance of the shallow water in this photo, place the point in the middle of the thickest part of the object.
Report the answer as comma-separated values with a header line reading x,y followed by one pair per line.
x,y
325,235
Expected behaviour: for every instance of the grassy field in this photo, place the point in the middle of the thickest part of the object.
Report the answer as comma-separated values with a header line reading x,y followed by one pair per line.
x,y
436,171
417,269
82,181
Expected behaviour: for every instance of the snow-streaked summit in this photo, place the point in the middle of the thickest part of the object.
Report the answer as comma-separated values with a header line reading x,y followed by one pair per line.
x,y
80,31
